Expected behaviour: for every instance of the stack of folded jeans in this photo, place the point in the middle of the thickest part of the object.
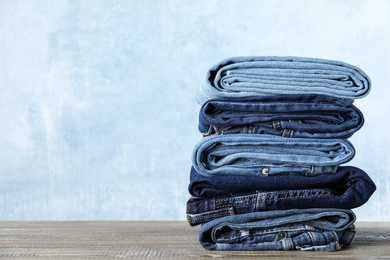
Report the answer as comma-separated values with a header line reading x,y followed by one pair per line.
x,y
267,174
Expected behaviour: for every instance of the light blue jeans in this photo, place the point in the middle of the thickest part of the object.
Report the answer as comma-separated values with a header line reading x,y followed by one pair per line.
x,y
247,154
253,76
303,229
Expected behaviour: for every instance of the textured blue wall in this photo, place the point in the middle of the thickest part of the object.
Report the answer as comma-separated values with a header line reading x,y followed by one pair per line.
x,y
97,111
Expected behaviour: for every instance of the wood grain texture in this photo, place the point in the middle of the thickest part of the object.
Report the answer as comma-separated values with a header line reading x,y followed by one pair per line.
x,y
156,239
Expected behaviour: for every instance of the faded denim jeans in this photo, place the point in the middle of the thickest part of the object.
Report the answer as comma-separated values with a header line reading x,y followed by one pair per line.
x,y
255,76
302,116
247,154
309,229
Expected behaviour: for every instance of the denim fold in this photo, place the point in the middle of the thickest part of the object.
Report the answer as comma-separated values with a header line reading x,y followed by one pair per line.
x,y
247,154
209,186
301,116
349,193
308,229
246,76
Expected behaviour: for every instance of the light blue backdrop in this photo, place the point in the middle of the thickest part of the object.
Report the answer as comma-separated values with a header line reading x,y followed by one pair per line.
x,y
97,111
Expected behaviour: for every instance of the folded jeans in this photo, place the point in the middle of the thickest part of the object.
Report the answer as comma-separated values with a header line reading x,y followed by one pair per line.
x,y
206,186
247,154
239,77
308,229
348,194
302,116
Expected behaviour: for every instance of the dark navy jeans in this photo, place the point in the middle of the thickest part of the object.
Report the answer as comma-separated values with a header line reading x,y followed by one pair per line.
x,y
303,229
306,116
350,192
203,186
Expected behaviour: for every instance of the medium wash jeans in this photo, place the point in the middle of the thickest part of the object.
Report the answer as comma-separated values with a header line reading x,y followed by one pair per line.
x,y
204,186
347,194
304,229
251,76
247,154
302,116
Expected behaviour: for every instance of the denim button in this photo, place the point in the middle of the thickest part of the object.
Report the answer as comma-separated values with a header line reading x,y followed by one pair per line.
x,y
265,171
281,235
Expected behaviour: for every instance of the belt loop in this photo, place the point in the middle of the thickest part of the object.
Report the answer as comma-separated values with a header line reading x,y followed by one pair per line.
x,y
276,124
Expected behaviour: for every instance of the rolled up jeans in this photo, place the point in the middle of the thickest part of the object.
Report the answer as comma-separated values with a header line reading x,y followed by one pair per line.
x,y
247,154
206,186
309,229
302,116
347,194
251,76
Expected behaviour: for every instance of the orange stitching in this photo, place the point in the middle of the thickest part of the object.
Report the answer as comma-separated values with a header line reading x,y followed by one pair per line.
x,y
291,243
312,237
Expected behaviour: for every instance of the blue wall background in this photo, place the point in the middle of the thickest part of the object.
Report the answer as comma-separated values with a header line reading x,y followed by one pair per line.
x,y
97,110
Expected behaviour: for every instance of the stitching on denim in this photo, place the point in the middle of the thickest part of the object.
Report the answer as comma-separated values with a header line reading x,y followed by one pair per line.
x,y
335,236
255,195
336,244
274,124
188,216
312,237
235,205
344,142
212,215
264,200
246,197
208,216
214,203
291,243
231,214
258,202
354,233
293,197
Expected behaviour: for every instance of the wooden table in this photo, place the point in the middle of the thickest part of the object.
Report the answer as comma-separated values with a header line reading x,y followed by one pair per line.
x,y
156,239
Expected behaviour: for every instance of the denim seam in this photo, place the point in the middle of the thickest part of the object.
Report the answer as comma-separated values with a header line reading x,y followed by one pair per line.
x,y
208,216
291,243
294,197
278,193
353,236
336,238
285,192
285,244
265,194
312,237
188,216
284,141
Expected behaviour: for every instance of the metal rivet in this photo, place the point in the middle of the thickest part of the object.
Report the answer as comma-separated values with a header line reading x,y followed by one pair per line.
x,y
264,171
281,235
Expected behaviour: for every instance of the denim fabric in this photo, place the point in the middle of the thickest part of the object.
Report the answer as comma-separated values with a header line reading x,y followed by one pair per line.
x,y
239,77
247,154
348,194
309,229
302,116
202,186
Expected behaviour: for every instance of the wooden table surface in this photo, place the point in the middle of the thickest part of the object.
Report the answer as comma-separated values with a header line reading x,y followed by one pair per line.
x,y
156,239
